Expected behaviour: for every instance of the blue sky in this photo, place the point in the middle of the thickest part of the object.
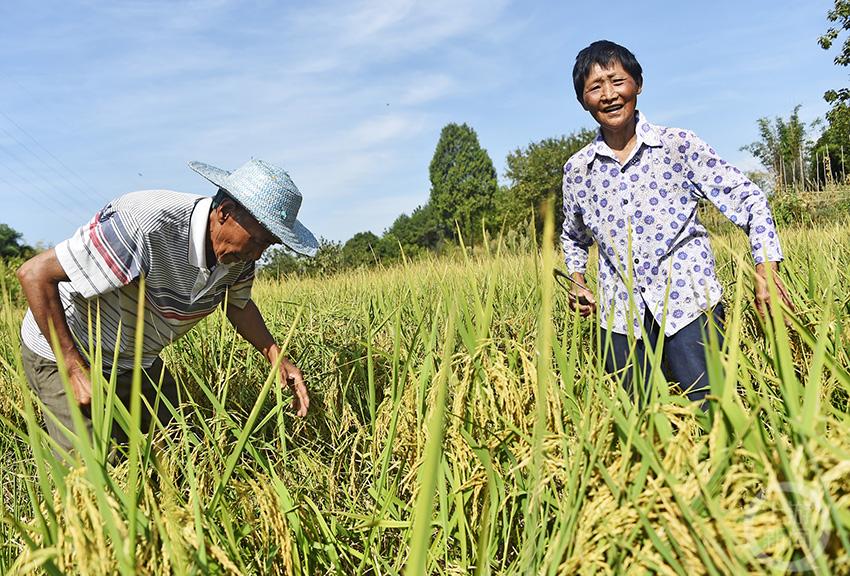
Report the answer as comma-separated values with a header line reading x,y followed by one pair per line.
x,y
101,98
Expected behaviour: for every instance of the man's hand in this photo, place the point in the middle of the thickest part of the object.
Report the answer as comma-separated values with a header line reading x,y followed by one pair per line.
x,y
80,383
291,376
250,325
762,293
580,297
40,277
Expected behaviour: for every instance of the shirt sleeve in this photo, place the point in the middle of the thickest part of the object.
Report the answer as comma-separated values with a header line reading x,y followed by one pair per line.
x,y
575,235
737,198
239,294
107,253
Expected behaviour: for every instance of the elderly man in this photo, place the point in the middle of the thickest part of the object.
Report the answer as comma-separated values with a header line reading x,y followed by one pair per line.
x,y
634,191
194,253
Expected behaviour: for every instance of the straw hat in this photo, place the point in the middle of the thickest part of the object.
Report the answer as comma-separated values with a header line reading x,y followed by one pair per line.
x,y
270,195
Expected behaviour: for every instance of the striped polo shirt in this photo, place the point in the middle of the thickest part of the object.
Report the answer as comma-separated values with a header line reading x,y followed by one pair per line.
x,y
158,234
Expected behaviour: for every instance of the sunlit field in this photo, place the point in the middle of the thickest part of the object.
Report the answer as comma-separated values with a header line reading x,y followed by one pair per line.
x,y
460,423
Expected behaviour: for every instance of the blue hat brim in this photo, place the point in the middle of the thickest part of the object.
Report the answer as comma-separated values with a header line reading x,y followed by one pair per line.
x,y
215,175
298,238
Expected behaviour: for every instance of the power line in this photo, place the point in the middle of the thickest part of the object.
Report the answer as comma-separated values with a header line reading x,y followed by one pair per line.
x,y
89,190
47,112
58,198
51,209
52,200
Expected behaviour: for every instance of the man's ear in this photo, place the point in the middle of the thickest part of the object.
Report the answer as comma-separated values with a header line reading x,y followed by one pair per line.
x,y
640,88
225,210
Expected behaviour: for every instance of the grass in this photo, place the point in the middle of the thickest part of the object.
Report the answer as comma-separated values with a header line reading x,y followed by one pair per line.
x,y
460,422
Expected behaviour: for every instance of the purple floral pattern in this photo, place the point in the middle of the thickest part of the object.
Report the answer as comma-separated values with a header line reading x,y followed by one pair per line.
x,y
642,216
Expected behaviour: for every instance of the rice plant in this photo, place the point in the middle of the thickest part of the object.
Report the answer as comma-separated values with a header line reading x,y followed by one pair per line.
x,y
461,422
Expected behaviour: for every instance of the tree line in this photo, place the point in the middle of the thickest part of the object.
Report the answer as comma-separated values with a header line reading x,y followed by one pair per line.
x,y
465,204
11,246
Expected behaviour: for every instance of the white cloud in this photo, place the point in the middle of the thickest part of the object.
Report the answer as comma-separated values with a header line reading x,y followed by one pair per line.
x,y
426,88
382,130
352,33
371,17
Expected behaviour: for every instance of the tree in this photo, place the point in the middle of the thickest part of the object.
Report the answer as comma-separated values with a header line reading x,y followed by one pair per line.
x,y
831,143
840,15
10,245
783,149
764,180
463,182
831,165
536,175
280,261
414,234
362,249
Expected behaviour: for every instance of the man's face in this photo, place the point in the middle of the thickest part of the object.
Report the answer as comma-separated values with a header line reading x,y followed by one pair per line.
x,y
610,95
238,236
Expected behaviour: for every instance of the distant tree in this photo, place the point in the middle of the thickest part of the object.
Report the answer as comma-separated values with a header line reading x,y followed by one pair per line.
x,y
362,249
831,151
535,174
840,16
831,143
10,245
463,182
762,179
415,233
280,261
783,149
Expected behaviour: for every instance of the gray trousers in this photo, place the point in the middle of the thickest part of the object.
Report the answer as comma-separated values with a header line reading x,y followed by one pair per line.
x,y
45,380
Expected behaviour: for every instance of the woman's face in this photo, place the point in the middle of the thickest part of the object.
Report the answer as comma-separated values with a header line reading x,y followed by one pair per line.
x,y
610,95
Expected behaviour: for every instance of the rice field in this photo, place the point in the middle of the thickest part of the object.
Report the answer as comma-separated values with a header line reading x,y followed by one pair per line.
x,y
460,423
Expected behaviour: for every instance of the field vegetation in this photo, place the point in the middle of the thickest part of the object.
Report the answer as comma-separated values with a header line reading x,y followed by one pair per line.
x,y
460,423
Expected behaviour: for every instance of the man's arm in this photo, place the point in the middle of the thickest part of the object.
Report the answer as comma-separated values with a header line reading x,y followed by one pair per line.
x,y
40,277
250,325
